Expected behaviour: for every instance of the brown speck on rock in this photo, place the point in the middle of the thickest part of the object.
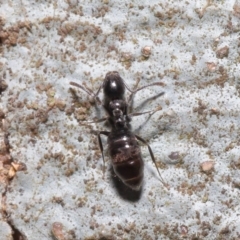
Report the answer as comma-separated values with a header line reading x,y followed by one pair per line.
x,y
222,52
211,66
19,166
126,57
225,230
57,231
146,51
3,85
194,59
207,166
184,230
236,8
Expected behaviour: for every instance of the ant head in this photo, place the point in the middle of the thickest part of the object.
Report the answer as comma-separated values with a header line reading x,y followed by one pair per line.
x,y
113,86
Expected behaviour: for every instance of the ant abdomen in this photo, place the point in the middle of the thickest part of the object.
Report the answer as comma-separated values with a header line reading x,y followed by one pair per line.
x,y
126,158
130,172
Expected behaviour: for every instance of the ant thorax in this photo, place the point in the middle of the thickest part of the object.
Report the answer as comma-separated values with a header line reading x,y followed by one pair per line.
x,y
118,110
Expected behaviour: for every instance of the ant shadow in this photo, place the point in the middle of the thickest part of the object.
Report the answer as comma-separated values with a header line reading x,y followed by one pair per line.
x,y
123,191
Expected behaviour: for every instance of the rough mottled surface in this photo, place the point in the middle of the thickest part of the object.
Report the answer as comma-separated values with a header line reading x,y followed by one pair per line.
x,y
190,46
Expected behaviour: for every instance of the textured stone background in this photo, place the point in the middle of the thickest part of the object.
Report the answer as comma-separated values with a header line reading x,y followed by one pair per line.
x,y
195,137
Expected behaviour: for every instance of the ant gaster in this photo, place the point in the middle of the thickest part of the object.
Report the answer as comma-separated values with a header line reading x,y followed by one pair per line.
x,y
123,146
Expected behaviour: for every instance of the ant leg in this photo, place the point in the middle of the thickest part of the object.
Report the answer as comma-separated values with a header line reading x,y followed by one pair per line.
x,y
153,158
101,147
94,121
88,91
133,114
130,99
138,89
95,96
141,113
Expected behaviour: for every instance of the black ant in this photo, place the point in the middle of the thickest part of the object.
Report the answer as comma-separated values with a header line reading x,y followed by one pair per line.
x,y
123,144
